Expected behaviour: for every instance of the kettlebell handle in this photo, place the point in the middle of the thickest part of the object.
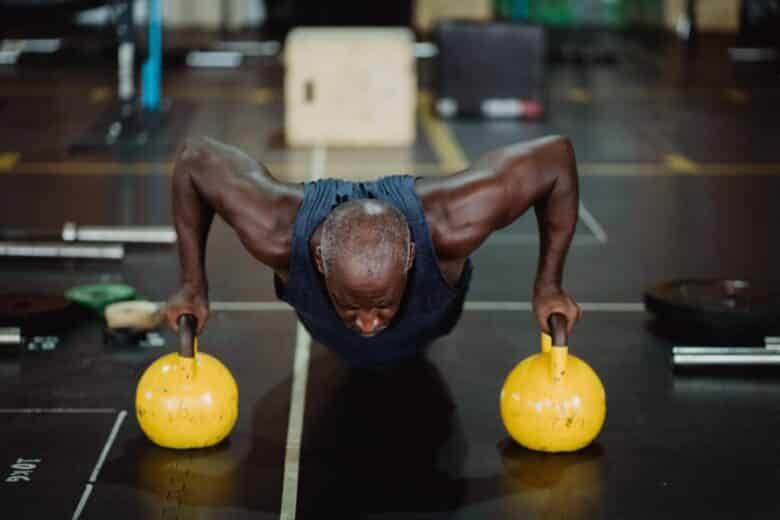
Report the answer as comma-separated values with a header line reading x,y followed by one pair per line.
x,y
188,324
557,324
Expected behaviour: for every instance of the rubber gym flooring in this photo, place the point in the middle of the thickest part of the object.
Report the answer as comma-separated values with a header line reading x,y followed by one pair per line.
x,y
679,169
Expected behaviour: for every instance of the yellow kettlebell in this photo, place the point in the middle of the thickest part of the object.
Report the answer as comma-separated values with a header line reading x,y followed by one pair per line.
x,y
553,401
187,399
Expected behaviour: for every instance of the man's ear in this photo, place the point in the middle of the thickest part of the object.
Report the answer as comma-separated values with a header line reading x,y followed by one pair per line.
x,y
318,260
410,259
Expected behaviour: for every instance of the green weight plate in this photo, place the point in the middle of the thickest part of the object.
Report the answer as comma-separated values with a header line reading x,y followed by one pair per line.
x,y
97,296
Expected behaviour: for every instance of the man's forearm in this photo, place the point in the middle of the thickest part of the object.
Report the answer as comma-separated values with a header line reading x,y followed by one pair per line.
x,y
556,214
192,216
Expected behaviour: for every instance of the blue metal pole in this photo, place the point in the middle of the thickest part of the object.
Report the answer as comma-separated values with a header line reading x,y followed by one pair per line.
x,y
151,73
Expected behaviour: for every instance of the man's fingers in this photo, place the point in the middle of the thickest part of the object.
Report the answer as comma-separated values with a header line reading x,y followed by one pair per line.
x,y
173,319
572,315
201,316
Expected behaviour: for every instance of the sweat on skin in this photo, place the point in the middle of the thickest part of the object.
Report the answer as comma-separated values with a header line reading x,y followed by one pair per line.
x,y
362,250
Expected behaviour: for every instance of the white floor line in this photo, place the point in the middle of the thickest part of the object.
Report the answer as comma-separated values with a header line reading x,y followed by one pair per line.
x,y
319,160
470,305
57,410
295,426
250,306
612,307
497,306
592,224
292,453
499,239
83,501
527,306
107,447
101,460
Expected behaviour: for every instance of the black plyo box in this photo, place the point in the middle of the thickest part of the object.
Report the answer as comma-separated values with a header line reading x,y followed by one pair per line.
x,y
490,69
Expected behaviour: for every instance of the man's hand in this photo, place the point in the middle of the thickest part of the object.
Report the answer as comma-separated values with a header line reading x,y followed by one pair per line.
x,y
550,299
188,299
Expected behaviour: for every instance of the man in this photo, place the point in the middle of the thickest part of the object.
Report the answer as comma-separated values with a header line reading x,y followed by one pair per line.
x,y
377,270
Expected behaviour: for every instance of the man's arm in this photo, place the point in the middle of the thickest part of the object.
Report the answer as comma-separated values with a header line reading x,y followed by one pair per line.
x,y
210,177
465,208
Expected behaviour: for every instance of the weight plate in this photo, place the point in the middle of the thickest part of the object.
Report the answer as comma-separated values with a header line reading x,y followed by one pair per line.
x,y
137,314
123,337
717,304
38,314
97,296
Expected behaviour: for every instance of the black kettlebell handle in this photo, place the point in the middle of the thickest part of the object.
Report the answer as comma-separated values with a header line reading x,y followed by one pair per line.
x,y
188,324
557,323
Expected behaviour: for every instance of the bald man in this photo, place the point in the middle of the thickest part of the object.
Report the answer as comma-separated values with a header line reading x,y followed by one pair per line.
x,y
375,271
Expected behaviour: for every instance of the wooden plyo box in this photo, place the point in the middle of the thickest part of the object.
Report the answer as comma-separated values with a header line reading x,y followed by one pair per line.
x,y
350,87
428,13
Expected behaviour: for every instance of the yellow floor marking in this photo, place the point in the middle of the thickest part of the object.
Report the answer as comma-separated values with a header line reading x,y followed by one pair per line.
x,y
8,161
629,169
68,167
446,147
737,95
47,90
93,168
11,163
618,169
100,94
255,96
724,169
578,95
680,163
261,96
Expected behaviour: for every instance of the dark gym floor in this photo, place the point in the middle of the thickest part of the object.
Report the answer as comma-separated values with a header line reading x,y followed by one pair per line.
x,y
679,168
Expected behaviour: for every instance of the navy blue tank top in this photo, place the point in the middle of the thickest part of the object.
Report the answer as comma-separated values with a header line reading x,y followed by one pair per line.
x,y
430,307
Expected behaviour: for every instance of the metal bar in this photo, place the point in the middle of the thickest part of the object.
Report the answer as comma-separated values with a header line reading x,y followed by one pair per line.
x,y
60,250
10,234
119,234
766,359
125,33
250,48
747,351
771,346
216,59
56,410
10,336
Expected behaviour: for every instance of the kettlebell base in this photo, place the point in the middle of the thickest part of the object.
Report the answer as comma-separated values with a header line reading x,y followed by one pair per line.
x,y
544,449
185,446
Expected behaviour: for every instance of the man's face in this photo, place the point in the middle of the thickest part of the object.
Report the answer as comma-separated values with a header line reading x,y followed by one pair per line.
x,y
366,298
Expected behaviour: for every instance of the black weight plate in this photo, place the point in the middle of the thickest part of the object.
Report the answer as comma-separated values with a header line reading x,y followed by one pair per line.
x,y
717,304
123,337
38,314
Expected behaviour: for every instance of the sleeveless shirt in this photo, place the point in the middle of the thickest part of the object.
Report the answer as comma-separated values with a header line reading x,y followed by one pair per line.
x,y
430,307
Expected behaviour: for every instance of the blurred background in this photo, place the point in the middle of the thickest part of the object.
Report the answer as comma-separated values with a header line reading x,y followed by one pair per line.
x,y
63,40
96,96
671,106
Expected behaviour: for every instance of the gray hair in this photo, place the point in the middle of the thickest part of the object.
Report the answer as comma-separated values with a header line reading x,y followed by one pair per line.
x,y
372,230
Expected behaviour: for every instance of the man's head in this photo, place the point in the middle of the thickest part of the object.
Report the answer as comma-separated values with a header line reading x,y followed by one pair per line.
x,y
364,255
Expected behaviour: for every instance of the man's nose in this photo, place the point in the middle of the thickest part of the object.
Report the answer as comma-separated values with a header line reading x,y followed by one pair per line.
x,y
367,322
